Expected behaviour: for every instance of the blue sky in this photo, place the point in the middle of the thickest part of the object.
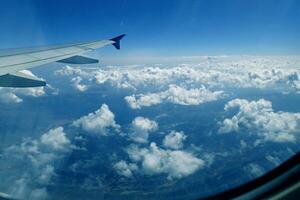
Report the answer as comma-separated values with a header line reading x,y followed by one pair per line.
x,y
157,28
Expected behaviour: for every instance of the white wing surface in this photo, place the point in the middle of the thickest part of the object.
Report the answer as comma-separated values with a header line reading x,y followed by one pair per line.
x,y
14,60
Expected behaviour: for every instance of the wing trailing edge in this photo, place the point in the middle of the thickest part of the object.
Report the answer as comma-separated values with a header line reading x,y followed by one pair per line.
x,y
20,79
78,60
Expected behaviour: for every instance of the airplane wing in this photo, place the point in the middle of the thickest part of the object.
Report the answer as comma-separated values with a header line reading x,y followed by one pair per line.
x,y
12,61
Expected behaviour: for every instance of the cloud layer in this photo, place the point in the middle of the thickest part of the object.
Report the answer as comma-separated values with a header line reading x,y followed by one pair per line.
x,y
213,72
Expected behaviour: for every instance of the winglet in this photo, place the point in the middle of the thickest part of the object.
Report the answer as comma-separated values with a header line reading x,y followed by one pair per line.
x,y
117,41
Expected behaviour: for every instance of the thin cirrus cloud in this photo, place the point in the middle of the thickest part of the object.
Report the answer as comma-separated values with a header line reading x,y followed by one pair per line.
x,y
259,118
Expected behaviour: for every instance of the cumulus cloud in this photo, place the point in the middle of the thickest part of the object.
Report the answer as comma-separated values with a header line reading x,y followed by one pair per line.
x,y
38,156
172,160
125,169
154,160
174,140
56,139
258,117
15,95
175,94
137,101
34,92
98,122
78,85
8,96
140,129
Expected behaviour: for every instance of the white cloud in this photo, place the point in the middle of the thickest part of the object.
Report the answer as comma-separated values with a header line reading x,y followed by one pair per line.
x,y
125,169
78,85
154,160
243,144
34,92
98,122
47,148
175,94
137,101
274,160
140,129
259,118
179,95
254,170
38,156
174,140
21,189
56,139
46,175
14,95
68,71
7,96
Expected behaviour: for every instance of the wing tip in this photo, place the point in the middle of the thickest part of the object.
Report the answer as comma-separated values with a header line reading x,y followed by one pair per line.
x,y
117,41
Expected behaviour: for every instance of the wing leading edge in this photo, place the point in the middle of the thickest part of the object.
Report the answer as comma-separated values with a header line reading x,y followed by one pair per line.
x,y
13,61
